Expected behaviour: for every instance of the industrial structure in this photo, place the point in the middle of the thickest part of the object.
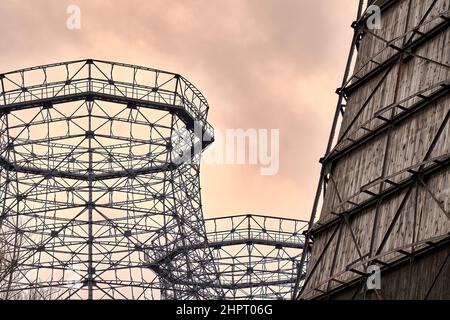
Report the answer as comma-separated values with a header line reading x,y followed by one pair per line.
x,y
100,193
384,193
257,256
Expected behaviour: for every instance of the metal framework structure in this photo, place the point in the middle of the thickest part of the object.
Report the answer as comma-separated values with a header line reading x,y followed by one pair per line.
x,y
100,193
99,178
385,173
257,256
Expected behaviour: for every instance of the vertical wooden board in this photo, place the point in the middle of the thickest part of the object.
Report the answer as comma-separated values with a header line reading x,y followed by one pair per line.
x,y
386,214
372,48
411,139
348,253
418,10
367,99
409,142
419,74
319,273
410,280
414,280
325,266
437,268
432,220
403,229
443,190
411,226
442,146
354,171
318,245
382,97
355,102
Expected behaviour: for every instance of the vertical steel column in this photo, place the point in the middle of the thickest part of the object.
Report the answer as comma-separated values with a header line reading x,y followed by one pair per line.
x,y
90,205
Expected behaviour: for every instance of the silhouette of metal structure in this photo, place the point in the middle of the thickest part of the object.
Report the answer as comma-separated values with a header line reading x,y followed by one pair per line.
x,y
99,167
385,172
257,256
100,193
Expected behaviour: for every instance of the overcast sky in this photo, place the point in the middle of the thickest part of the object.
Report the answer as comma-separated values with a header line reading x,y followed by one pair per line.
x,y
262,64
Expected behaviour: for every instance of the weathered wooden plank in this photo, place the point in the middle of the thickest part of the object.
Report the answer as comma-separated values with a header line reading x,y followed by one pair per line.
x,y
386,231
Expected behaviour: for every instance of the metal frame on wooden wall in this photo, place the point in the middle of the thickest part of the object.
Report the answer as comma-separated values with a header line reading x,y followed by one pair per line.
x,y
404,183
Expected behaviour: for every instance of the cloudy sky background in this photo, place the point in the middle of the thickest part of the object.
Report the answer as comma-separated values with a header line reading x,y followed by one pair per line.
x,y
260,63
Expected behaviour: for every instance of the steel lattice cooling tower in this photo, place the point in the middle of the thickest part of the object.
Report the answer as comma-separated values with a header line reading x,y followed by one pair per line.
x,y
100,193
100,179
386,175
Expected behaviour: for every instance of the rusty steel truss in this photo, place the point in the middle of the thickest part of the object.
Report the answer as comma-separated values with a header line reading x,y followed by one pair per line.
x,y
100,193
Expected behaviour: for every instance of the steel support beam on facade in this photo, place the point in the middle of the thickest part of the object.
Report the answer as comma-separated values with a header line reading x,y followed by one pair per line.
x,y
357,135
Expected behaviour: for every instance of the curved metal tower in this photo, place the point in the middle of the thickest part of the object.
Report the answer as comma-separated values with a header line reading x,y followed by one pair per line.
x,y
99,180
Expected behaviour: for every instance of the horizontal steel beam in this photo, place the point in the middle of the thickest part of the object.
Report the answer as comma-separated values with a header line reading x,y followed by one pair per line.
x,y
180,111
225,243
48,173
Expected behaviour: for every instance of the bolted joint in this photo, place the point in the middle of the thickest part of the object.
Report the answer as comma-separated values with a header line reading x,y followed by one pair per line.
x,y
131,105
90,205
48,176
47,105
20,197
89,282
160,197
127,233
90,240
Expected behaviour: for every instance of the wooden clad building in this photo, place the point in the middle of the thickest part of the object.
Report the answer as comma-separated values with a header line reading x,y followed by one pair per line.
x,y
385,177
